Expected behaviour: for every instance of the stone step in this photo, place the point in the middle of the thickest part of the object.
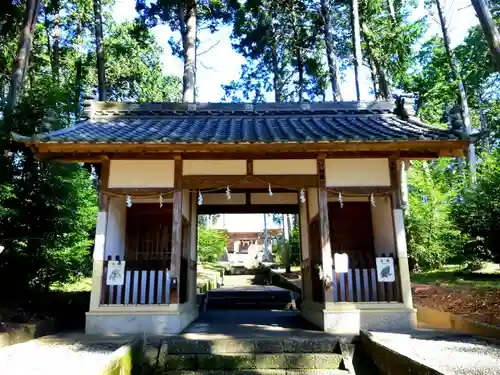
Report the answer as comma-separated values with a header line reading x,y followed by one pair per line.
x,y
249,299
259,372
180,345
278,361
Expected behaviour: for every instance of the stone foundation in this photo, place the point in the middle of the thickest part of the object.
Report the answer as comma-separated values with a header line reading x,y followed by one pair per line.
x,y
350,321
152,323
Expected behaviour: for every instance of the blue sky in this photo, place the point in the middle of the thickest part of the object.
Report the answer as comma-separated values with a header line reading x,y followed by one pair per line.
x,y
221,65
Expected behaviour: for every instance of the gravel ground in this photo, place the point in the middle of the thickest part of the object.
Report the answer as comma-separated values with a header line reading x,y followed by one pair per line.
x,y
447,352
55,357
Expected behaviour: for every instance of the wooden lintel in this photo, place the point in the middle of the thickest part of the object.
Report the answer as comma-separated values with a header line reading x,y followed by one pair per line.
x,y
213,209
328,149
358,190
253,182
139,191
95,157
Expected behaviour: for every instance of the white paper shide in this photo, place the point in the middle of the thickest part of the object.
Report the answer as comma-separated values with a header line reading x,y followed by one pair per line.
x,y
385,270
116,272
341,262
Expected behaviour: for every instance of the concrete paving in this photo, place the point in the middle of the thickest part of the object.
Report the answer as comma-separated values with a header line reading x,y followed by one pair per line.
x,y
251,323
447,352
61,354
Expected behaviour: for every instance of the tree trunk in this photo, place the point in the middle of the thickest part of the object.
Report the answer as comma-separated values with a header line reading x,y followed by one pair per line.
x,y
300,68
188,31
489,28
78,72
484,124
392,11
471,153
22,58
356,42
99,41
55,46
330,53
373,72
277,83
384,91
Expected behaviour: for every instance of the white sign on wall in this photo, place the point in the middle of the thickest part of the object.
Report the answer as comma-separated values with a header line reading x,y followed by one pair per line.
x,y
341,262
385,270
116,272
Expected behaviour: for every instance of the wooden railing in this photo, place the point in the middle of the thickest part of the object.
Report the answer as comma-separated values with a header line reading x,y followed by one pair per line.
x,y
361,284
146,282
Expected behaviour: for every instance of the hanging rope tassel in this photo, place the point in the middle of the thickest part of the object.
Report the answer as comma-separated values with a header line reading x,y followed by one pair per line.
x,y
302,196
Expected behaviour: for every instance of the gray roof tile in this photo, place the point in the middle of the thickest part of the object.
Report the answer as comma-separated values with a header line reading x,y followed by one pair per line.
x,y
235,123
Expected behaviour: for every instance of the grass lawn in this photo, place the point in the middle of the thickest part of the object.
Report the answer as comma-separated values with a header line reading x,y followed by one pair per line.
x,y
83,284
488,277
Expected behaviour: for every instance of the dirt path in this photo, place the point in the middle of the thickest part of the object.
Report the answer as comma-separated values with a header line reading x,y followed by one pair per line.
x,y
481,304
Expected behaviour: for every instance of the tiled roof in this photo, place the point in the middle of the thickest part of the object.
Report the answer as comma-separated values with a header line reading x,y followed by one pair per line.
x,y
167,123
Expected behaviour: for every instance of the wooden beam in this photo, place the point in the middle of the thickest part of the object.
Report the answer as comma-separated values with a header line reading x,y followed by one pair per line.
x,y
140,191
253,182
326,250
365,190
424,146
250,167
177,222
95,157
212,209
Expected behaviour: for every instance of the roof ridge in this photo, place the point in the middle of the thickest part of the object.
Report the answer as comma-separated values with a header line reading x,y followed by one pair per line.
x,y
94,109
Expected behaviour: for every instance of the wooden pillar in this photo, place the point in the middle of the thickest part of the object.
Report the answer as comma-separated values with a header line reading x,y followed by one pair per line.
x,y
193,256
400,235
304,251
100,239
326,250
177,222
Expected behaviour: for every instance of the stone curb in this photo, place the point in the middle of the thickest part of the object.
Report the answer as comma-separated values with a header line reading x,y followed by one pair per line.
x,y
446,320
26,332
391,362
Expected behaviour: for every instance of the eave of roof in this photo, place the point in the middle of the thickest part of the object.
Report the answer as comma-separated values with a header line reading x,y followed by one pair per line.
x,y
163,127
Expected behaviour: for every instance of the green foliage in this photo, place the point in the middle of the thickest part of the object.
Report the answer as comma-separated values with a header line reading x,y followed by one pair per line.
x,y
290,248
477,211
432,236
47,209
211,244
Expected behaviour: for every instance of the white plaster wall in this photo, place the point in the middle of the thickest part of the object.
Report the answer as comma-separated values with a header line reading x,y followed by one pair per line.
x,y
115,231
277,198
383,229
221,198
141,173
357,172
214,167
285,167
312,201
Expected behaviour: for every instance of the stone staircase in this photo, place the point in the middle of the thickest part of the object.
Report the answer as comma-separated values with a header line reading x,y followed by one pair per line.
x,y
324,355
248,298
